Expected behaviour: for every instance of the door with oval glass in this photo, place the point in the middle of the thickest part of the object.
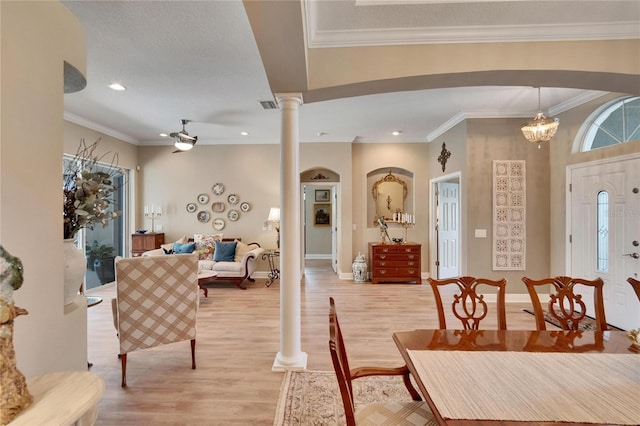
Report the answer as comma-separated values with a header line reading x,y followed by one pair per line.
x,y
605,234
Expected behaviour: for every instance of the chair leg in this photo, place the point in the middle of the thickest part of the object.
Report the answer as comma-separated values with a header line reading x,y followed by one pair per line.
x,y
406,377
193,354
123,362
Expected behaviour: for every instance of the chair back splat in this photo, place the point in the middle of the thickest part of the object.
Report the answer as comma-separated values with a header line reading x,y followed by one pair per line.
x,y
468,305
636,286
565,305
391,413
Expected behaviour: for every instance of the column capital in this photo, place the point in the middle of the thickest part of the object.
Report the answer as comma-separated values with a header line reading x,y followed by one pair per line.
x,y
283,98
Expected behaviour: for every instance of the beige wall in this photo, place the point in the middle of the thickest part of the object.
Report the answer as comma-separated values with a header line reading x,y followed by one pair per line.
x,y
37,37
501,139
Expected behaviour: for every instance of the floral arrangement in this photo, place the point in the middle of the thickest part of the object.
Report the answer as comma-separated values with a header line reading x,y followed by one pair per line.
x,y
88,187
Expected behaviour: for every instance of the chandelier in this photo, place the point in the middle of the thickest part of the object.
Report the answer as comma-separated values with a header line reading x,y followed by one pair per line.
x,y
540,129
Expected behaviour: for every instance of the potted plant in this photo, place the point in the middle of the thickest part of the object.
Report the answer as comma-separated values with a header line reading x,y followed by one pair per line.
x,y
103,262
87,201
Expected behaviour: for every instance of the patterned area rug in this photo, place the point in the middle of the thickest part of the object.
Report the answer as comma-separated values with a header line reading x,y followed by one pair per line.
x,y
587,324
313,398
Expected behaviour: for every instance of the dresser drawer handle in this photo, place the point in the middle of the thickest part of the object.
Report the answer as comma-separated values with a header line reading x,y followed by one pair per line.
x,y
383,263
411,256
383,271
382,256
412,271
411,263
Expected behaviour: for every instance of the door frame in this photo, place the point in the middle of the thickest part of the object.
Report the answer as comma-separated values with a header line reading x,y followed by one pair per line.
x,y
568,216
335,221
433,216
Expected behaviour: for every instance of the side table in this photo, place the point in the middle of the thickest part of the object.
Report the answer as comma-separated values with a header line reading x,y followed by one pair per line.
x,y
274,272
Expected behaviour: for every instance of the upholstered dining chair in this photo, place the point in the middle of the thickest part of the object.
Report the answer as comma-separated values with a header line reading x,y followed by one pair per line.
x,y
565,305
467,304
415,412
636,286
156,303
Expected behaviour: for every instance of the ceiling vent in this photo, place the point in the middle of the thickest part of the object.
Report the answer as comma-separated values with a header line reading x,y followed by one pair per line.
x,y
268,104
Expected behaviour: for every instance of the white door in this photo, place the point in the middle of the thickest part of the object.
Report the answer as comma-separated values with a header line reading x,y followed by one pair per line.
x,y
605,234
448,218
334,229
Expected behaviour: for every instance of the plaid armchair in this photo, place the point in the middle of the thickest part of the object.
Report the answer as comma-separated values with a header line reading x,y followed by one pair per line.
x,y
156,303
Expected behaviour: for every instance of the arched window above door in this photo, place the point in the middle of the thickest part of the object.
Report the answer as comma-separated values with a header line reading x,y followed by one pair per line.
x,y
613,123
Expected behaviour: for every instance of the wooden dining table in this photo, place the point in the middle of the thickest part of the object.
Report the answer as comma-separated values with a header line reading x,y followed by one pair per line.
x,y
525,377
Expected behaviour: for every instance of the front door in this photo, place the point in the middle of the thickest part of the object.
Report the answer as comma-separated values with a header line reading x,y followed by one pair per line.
x,y
605,231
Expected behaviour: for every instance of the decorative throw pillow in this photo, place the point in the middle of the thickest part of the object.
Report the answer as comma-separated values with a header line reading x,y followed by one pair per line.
x,y
183,248
224,252
205,245
169,246
242,249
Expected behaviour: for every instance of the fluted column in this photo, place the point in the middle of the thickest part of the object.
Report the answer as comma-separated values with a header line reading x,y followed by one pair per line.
x,y
290,356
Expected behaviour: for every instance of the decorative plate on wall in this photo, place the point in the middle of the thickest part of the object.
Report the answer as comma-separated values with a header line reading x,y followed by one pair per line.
x,y
233,215
245,207
217,207
233,199
203,216
191,207
203,198
218,189
218,224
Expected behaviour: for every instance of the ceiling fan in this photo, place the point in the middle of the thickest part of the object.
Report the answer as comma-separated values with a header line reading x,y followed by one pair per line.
x,y
184,141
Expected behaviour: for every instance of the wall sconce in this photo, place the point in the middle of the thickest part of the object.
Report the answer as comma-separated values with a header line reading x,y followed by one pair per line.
x,y
274,217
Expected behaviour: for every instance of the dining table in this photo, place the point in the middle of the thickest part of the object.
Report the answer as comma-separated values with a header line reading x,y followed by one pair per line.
x,y
525,377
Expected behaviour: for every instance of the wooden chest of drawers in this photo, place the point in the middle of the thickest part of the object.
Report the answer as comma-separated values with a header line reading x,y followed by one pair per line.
x,y
399,263
145,242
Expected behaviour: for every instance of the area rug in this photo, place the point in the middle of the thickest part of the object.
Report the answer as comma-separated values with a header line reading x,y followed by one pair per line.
x,y
587,324
312,398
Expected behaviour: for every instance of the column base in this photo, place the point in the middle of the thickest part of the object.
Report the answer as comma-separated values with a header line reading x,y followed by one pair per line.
x,y
280,364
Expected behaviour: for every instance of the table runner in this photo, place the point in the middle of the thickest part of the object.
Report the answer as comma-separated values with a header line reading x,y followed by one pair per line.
x,y
530,386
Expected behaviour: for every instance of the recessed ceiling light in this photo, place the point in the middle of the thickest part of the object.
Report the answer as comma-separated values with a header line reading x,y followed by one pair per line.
x,y
164,135
117,86
396,132
244,133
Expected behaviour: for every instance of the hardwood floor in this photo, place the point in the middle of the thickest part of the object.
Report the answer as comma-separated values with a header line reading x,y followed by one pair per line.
x,y
238,338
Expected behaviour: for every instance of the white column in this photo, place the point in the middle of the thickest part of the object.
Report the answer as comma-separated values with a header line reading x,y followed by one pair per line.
x,y
290,356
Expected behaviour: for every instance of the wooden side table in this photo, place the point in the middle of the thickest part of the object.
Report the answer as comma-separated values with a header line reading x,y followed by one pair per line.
x,y
62,398
145,242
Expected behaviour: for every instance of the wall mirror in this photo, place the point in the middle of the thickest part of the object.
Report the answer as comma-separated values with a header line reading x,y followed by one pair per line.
x,y
390,194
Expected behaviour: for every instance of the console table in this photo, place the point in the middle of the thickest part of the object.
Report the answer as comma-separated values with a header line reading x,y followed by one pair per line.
x,y
62,398
145,242
274,271
395,263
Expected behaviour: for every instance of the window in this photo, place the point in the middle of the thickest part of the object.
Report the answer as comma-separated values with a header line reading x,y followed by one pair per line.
x,y
602,258
614,123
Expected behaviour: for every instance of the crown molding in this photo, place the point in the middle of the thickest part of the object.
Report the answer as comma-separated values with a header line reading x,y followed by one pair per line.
x,y
81,121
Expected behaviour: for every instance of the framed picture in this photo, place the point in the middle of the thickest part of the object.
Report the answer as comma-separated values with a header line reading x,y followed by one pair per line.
x,y
322,214
323,195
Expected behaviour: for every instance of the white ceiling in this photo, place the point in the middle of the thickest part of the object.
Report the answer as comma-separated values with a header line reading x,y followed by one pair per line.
x,y
198,60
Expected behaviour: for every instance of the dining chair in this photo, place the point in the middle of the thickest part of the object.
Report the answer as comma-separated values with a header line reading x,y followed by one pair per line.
x,y
565,305
636,286
415,412
468,305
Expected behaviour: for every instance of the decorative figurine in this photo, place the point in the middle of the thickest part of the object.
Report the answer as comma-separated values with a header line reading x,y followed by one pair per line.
x,y
14,396
384,235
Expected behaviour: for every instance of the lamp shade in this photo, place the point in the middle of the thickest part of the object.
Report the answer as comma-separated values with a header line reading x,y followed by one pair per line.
x,y
274,214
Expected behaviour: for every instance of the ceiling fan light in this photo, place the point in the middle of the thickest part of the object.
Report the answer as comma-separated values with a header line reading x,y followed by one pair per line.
x,y
183,145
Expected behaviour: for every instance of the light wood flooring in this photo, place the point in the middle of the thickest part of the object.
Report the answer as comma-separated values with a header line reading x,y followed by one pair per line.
x,y
238,338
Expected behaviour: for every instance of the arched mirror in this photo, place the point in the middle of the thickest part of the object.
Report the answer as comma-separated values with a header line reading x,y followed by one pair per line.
x,y
389,194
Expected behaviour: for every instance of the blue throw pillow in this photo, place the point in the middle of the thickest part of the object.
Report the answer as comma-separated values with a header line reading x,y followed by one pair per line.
x,y
183,248
225,252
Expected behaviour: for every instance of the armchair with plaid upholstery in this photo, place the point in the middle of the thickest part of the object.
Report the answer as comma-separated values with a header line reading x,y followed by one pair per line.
x,y
156,303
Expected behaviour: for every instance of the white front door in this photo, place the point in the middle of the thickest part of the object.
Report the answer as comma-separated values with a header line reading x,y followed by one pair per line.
x,y
605,231
448,230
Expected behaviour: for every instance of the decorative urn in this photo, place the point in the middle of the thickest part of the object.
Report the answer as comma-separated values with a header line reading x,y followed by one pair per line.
x,y
359,269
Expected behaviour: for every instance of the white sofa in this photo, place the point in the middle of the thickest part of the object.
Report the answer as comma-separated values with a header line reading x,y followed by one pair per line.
x,y
237,271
